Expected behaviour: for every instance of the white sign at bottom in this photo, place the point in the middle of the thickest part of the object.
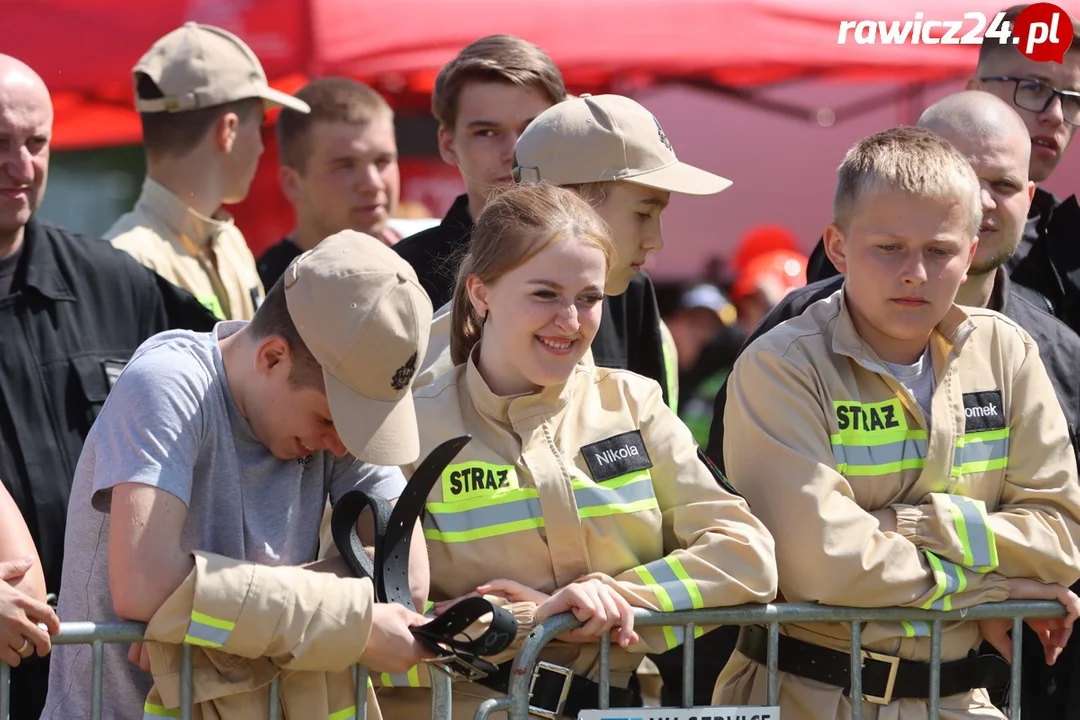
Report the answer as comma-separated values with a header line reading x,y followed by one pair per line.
x,y
701,713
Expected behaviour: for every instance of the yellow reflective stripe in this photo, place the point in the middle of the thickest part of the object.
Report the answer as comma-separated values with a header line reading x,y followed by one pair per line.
x,y
674,636
878,452
208,631
150,710
348,713
517,510
669,581
407,679
213,304
977,540
981,452
916,628
950,580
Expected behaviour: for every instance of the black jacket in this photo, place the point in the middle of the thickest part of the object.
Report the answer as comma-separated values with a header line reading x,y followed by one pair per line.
x,y
77,310
629,335
1047,259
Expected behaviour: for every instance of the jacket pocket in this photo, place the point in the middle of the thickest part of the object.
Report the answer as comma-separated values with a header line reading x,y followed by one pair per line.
x,y
96,377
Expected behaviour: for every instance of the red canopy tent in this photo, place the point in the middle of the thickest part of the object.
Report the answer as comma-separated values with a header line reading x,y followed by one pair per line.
x,y
85,49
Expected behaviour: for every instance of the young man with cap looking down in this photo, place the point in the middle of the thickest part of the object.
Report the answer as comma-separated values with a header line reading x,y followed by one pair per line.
x,y
201,94
202,484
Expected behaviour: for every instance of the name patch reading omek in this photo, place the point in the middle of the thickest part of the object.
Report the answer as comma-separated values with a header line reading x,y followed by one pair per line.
x,y
464,481
617,455
983,411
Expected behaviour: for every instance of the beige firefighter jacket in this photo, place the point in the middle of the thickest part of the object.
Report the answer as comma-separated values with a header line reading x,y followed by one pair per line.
x,y
595,478
252,623
818,434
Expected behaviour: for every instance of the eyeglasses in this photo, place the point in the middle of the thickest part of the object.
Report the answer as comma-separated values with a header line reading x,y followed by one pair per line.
x,y
1037,96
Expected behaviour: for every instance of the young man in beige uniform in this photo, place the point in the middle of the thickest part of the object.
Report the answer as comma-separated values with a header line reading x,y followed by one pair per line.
x,y
905,451
196,501
201,93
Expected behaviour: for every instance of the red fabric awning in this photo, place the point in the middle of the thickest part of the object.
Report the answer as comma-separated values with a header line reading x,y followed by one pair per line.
x,y
85,48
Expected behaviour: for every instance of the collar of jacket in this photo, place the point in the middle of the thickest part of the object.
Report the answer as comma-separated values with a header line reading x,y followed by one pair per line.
x,y
39,263
185,222
514,409
947,338
457,218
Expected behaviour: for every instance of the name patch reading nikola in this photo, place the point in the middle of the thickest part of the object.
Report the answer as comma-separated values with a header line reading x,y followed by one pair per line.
x,y
617,455
983,411
467,481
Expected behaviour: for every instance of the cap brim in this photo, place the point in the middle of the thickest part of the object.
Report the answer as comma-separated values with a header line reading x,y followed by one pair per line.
x,y
374,431
276,97
682,178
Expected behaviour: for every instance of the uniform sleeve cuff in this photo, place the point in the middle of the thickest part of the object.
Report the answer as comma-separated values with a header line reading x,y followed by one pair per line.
x,y
908,519
525,615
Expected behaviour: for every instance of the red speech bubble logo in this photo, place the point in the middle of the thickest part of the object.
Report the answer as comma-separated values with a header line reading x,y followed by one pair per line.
x,y
1043,32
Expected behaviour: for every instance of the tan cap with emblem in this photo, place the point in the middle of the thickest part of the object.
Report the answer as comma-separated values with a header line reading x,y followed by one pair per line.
x,y
365,317
602,138
200,66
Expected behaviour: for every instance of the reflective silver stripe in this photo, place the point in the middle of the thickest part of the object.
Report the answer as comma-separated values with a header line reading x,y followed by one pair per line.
x,y
483,517
949,580
973,452
864,455
665,576
200,633
599,495
979,536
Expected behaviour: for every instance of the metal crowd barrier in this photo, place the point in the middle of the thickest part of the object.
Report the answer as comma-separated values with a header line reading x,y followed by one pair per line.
x,y
98,634
516,703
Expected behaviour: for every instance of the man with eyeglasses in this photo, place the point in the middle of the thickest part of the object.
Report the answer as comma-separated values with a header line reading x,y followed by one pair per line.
x,y
1046,95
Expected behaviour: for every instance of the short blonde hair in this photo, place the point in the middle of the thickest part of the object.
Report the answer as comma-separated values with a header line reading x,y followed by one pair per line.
x,y
515,225
910,161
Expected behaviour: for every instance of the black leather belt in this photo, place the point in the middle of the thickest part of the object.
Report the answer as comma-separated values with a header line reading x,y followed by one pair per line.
x,y
389,571
885,678
555,691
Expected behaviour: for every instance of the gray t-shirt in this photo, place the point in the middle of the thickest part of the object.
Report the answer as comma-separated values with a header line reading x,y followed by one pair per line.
x,y
918,378
170,422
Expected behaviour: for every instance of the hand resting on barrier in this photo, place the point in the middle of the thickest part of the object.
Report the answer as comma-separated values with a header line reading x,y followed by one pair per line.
x,y
26,624
1054,633
593,603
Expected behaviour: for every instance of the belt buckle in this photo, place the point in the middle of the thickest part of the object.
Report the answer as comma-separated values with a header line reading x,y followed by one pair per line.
x,y
894,665
568,677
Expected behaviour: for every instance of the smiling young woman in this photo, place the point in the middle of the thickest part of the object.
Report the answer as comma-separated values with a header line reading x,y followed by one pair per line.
x,y
580,490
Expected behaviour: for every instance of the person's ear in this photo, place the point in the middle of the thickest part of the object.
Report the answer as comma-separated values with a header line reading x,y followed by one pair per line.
x,y
971,258
447,150
289,179
478,294
272,354
836,247
225,131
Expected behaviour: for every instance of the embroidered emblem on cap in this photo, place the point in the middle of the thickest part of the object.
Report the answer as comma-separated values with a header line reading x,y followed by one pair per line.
x,y
404,374
663,137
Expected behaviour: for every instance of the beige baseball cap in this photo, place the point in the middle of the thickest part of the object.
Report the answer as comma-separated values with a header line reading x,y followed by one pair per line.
x,y
602,138
199,66
365,317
